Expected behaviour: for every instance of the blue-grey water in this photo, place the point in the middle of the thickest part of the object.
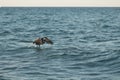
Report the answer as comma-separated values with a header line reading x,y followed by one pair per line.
x,y
86,43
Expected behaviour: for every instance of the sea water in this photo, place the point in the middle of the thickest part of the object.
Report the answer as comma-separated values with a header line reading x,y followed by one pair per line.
x,y
86,43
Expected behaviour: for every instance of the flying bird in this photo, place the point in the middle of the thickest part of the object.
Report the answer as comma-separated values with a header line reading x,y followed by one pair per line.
x,y
41,41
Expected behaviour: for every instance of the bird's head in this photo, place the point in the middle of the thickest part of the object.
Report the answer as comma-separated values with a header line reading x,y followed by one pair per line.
x,y
34,42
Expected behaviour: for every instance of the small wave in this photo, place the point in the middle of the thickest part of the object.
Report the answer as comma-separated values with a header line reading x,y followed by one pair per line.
x,y
96,78
5,33
4,78
10,68
37,73
106,26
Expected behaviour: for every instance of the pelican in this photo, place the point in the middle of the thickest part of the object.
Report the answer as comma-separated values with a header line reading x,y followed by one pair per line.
x,y
41,41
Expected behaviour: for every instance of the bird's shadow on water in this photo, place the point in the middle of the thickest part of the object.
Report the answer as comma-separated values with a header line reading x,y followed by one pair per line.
x,y
42,52
36,50
41,49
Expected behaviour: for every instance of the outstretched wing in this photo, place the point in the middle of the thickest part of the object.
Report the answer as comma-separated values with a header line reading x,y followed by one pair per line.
x,y
48,40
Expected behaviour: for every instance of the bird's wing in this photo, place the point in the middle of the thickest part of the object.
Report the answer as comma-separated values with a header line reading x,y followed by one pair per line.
x,y
48,40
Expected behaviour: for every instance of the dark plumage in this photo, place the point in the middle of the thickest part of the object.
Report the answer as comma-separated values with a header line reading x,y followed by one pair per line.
x,y
47,40
41,41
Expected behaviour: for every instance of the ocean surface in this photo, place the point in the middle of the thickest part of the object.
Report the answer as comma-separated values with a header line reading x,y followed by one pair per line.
x,y
86,43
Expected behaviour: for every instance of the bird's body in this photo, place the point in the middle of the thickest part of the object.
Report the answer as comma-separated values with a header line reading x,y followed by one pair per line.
x,y
41,41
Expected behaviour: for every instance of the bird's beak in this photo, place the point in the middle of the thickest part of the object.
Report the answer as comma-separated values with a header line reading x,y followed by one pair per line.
x,y
33,42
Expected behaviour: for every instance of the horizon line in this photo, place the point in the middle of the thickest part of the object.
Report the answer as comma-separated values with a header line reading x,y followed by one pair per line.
x,y
63,6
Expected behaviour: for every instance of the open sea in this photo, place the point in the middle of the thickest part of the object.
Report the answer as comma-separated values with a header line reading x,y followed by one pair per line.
x,y
86,43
